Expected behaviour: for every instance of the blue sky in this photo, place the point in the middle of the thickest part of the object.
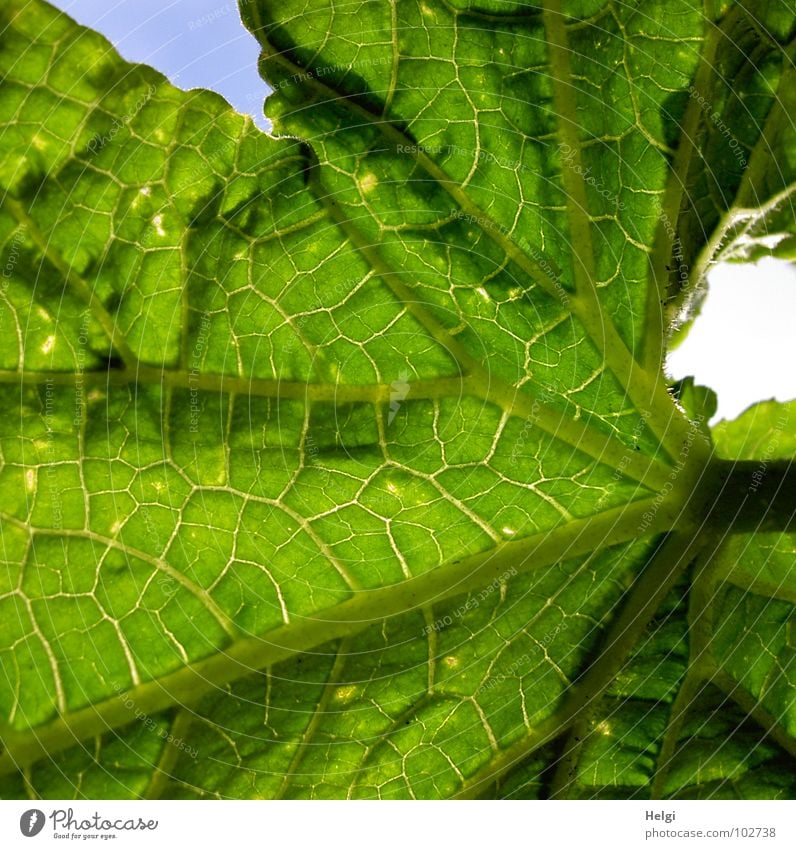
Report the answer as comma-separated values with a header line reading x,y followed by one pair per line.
x,y
196,43
742,345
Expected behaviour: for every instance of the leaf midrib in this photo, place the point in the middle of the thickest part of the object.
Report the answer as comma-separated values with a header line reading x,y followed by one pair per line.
x,y
241,657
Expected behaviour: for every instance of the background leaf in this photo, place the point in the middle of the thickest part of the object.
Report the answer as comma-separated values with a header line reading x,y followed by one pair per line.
x,y
342,464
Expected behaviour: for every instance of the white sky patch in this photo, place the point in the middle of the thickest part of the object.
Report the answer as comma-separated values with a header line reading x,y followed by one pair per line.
x,y
742,344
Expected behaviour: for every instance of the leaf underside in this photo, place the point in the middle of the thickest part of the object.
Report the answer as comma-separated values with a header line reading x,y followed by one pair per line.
x,y
341,462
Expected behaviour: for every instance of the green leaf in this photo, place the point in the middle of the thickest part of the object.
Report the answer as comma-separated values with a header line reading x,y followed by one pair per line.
x,y
737,156
668,723
764,431
342,463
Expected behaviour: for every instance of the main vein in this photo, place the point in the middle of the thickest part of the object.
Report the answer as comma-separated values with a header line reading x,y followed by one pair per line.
x,y
243,656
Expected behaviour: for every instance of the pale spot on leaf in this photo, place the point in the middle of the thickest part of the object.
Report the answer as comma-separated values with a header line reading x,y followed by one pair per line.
x,y
368,183
345,694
